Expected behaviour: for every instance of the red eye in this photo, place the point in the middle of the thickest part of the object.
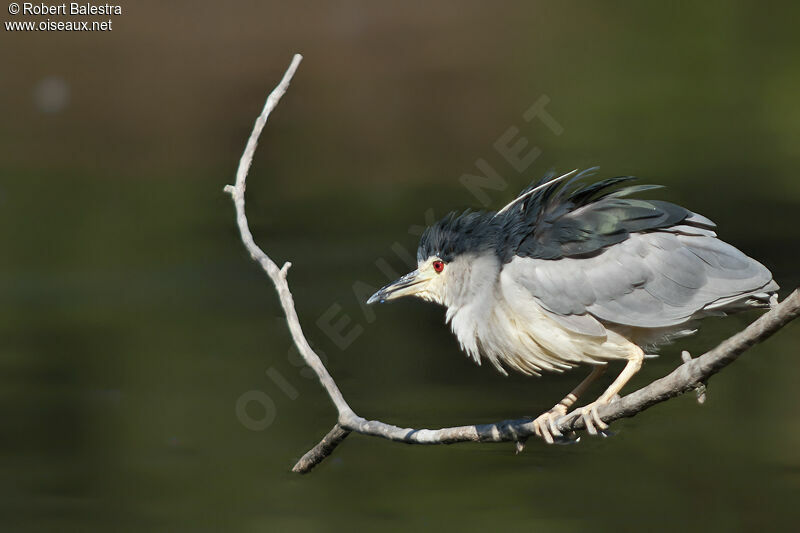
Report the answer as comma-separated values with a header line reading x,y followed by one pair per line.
x,y
438,266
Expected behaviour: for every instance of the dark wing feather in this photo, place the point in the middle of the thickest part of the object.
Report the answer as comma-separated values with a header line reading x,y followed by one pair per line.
x,y
562,221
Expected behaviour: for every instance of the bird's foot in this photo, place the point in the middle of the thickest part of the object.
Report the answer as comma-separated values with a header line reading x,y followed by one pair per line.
x,y
594,424
545,424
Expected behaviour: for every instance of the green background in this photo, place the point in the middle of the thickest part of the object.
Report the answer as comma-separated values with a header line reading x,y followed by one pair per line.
x,y
132,320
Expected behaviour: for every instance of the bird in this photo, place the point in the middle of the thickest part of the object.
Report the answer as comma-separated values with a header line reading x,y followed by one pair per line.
x,y
574,272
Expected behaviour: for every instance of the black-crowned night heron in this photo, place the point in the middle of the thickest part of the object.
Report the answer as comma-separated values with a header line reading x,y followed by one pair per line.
x,y
572,273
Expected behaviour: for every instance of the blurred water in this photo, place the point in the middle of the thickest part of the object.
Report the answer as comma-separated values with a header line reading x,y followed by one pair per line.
x,y
134,321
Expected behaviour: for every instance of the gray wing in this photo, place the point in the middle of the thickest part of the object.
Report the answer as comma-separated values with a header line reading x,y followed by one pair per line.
x,y
651,280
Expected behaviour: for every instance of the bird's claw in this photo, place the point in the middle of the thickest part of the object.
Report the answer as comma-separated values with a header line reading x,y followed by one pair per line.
x,y
545,424
594,424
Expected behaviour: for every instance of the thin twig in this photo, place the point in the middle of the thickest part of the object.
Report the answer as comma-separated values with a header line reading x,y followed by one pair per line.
x,y
323,449
689,376
278,276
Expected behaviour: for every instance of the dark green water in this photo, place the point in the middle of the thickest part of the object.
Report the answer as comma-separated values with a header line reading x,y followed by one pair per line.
x,y
133,321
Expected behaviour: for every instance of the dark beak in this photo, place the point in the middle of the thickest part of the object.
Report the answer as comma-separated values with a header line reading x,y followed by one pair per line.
x,y
405,286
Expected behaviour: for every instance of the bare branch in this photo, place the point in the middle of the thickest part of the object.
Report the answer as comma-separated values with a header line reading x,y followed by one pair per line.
x,y
685,378
315,455
277,276
691,375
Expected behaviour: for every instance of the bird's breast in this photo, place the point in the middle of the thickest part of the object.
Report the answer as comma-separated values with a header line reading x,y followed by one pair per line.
x,y
509,328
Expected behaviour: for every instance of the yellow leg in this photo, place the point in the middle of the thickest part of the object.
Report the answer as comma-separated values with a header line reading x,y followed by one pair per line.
x,y
545,426
589,412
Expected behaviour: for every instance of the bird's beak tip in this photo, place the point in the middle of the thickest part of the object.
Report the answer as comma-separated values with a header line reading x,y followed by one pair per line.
x,y
404,286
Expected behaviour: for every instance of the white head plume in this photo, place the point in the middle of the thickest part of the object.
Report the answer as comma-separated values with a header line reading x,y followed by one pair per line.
x,y
540,187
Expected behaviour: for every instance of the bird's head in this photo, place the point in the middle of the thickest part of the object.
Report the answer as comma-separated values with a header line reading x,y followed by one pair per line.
x,y
454,259
430,281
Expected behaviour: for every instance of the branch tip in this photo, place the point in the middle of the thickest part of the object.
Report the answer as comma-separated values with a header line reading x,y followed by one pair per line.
x,y
519,446
701,390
